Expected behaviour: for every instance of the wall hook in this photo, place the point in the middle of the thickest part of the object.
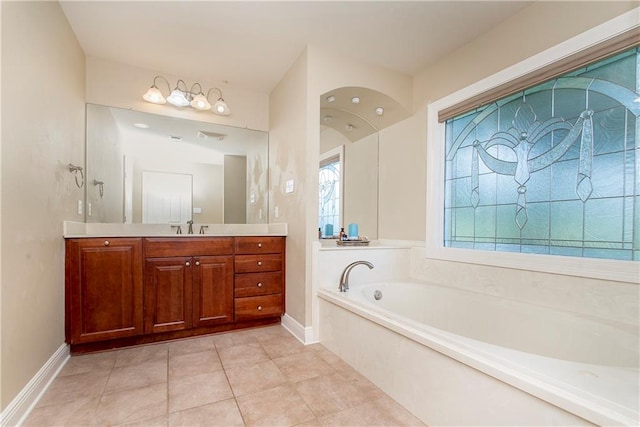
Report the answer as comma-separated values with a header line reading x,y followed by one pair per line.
x,y
75,170
100,185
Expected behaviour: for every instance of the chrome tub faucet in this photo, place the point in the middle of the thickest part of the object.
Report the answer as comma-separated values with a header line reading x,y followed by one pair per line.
x,y
344,279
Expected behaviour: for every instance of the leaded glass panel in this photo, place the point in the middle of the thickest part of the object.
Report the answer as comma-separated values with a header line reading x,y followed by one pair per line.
x,y
554,169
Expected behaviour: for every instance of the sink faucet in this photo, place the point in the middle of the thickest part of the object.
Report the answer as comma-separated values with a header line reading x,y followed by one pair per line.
x,y
190,222
344,279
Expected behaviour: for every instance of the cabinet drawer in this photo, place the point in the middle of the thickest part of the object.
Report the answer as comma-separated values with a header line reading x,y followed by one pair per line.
x,y
257,263
254,284
254,307
258,245
187,246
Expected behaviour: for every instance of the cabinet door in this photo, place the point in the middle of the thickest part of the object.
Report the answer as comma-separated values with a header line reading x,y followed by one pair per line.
x,y
167,294
212,290
103,289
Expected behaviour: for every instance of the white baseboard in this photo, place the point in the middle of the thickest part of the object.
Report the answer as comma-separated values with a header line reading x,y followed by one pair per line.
x,y
17,411
304,335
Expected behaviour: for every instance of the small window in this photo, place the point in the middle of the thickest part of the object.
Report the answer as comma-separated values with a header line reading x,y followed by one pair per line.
x,y
553,169
329,195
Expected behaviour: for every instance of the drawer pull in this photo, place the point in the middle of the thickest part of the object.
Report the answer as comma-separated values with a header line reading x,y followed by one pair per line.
x,y
259,245
259,263
197,262
188,264
106,243
259,308
259,284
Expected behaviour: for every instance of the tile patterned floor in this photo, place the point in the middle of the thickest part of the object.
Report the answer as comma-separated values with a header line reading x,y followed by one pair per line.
x,y
261,377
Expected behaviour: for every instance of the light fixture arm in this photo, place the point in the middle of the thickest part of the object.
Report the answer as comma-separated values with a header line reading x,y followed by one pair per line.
x,y
215,88
165,80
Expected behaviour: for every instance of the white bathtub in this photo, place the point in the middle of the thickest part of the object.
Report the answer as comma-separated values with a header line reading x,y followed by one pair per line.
x,y
459,358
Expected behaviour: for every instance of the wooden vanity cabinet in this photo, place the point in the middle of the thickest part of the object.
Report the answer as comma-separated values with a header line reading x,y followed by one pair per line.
x,y
259,277
188,283
103,289
126,291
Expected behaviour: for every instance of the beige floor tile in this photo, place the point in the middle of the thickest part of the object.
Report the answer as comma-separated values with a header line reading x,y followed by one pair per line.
x,y
233,339
192,345
74,387
146,353
330,394
81,412
194,364
78,364
224,413
364,387
277,346
196,390
281,406
252,378
161,421
381,412
268,332
302,366
334,361
138,375
127,406
242,354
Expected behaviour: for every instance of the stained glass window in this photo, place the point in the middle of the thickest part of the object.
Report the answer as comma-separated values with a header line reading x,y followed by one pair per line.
x,y
329,193
554,169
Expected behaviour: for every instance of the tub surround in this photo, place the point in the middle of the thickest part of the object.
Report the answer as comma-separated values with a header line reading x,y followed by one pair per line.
x,y
123,291
586,368
506,385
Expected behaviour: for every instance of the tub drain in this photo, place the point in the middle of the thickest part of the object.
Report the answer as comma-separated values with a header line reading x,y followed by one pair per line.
x,y
377,295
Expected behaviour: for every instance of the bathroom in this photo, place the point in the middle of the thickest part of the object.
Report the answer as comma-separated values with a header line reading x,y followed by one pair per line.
x,y
50,135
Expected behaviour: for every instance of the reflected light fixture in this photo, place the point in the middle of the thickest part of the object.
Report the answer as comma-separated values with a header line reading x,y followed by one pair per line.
x,y
181,96
379,111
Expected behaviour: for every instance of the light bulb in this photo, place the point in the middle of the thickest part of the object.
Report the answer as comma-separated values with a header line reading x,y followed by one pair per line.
x,y
221,108
178,98
200,102
154,96
355,100
379,111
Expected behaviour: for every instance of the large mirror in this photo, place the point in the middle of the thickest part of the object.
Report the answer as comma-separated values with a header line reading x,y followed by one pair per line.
x,y
148,168
350,118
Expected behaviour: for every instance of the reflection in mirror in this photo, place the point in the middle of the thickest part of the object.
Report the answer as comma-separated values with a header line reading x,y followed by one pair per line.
x,y
160,169
350,118
350,169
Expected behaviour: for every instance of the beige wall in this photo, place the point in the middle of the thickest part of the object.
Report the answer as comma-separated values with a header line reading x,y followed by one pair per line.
x,y
104,163
119,85
361,185
288,106
235,189
41,59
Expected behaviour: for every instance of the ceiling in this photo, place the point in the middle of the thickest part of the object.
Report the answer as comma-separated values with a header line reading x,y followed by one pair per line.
x,y
253,44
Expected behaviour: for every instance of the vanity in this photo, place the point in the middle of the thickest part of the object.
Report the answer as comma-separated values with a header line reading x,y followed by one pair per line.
x,y
125,290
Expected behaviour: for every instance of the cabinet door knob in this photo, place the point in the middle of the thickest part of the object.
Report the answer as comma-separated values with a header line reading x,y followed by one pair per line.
x,y
259,308
107,243
197,262
259,262
259,245
188,264
259,284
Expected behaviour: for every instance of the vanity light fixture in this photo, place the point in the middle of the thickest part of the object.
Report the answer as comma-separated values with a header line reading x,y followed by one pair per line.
x,y
349,127
181,96
355,100
331,98
379,111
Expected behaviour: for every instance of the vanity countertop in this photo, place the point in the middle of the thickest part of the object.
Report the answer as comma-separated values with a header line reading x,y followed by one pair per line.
x,y
74,230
